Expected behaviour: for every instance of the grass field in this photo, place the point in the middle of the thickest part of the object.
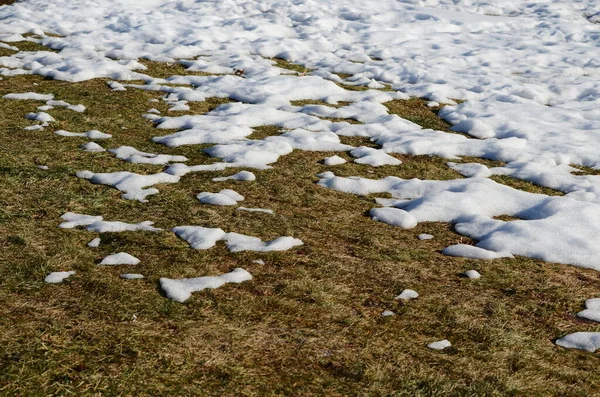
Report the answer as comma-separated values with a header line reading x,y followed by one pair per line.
x,y
308,324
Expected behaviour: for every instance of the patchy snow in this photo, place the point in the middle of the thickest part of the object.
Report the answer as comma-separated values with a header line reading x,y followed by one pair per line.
x,y
132,155
134,186
40,116
94,243
132,276
99,225
470,251
32,96
181,290
203,238
92,147
93,134
394,217
425,236
240,176
121,258
224,197
472,274
588,341
58,277
266,211
407,294
592,310
387,313
334,160
440,344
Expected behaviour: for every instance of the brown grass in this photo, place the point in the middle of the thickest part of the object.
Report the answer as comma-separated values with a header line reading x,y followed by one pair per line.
x,y
308,324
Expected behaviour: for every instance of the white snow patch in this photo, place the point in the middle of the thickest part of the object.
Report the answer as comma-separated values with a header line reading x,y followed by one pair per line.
x,y
588,341
224,197
58,277
388,313
440,345
94,243
93,134
266,211
334,160
394,217
132,155
470,251
32,96
121,258
472,274
132,276
181,290
92,147
425,236
240,176
407,294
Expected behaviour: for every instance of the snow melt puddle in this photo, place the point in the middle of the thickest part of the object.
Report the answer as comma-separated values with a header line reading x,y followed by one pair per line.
x,y
201,238
181,290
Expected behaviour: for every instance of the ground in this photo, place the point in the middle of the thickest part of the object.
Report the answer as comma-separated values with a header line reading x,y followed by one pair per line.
x,y
309,322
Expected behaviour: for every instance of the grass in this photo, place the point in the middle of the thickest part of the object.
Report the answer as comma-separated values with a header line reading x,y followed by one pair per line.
x,y
308,324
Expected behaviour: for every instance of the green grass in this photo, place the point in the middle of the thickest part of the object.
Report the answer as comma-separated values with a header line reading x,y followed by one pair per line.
x,y
308,324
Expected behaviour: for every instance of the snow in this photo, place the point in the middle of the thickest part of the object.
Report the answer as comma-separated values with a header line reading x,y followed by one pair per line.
x,y
99,225
204,238
132,155
394,217
240,176
134,186
32,96
132,276
181,290
470,251
92,147
93,134
472,274
407,294
425,236
121,258
440,345
588,341
94,243
41,116
592,310
388,313
334,160
58,277
266,211
526,73
224,197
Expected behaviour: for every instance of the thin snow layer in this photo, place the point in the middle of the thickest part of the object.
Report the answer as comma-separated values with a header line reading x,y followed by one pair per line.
x,y
551,228
181,290
224,197
121,258
58,277
440,345
588,341
240,176
132,155
425,236
592,310
470,251
134,186
204,238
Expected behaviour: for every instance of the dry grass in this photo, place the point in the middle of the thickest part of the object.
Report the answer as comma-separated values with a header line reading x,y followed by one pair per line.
x,y
308,324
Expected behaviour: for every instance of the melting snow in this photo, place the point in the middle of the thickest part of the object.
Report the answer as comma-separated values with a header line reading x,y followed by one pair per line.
x,y
122,258
58,277
180,290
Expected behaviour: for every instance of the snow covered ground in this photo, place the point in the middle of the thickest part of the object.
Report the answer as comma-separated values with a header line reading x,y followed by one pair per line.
x,y
520,81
